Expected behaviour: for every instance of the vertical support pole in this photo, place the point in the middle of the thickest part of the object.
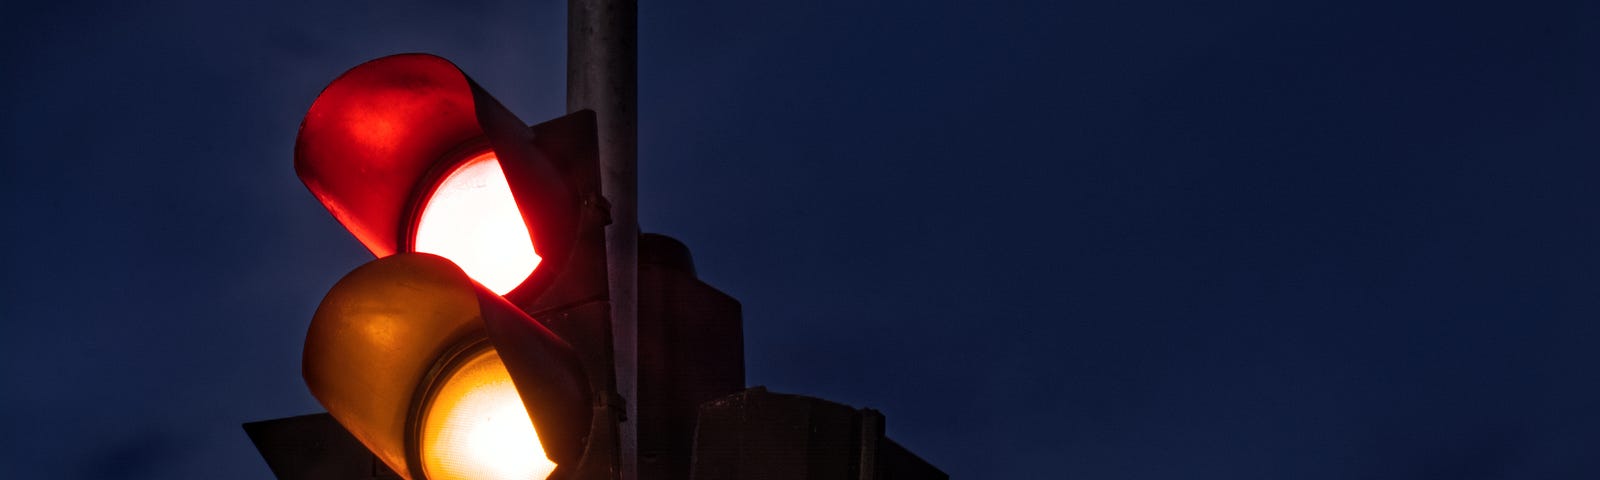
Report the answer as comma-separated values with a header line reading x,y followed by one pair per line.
x,y
602,75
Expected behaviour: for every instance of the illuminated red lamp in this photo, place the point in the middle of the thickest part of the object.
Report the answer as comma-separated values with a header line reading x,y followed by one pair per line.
x,y
399,147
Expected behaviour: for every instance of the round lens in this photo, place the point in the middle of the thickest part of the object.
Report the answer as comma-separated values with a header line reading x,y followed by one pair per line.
x,y
476,428
473,220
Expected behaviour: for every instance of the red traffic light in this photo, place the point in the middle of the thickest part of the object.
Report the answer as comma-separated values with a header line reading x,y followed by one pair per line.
x,y
400,147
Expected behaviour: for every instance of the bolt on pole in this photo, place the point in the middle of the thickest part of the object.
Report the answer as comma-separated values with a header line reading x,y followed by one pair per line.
x,y
602,75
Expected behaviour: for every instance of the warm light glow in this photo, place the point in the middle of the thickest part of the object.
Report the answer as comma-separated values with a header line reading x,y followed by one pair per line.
x,y
473,220
477,428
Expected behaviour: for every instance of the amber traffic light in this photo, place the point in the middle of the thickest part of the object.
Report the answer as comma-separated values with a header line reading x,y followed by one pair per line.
x,y
405,353
431,355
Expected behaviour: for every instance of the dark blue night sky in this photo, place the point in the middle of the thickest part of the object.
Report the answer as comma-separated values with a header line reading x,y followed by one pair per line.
x,y
1110,240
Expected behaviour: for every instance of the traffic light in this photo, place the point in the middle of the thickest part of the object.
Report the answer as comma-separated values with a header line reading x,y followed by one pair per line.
x,y
478,344
431,356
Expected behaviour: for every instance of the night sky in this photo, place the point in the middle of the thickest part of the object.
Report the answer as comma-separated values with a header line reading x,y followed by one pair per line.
x,y
1108,240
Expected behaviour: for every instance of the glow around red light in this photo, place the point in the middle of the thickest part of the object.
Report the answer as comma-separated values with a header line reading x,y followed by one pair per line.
x,y
473,220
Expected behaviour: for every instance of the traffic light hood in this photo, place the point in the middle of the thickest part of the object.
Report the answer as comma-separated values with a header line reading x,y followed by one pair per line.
x,y
380,139
388,340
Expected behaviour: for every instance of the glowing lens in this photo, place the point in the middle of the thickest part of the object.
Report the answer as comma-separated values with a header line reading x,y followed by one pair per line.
x,y
473,220
476,427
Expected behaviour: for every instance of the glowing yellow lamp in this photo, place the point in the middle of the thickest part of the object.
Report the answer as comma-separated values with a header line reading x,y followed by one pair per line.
x,y
476,428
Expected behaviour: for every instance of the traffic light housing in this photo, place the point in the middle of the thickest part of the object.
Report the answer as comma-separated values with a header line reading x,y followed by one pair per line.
x,y
413,157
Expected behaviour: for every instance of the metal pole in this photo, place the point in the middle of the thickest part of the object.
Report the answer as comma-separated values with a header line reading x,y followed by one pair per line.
x,y
602,75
